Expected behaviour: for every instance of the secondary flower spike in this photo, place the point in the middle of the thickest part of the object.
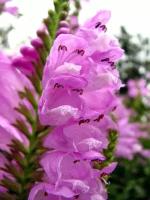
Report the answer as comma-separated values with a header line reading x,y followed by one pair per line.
x,y
80,82
12,81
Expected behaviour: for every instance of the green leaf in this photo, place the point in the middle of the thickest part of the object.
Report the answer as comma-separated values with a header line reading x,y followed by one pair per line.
x,y
145,142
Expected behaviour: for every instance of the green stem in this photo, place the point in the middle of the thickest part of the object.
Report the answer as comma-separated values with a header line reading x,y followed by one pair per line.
x,y
109,152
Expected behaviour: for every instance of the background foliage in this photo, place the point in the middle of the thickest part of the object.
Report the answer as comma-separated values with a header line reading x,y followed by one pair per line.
x,y
131,178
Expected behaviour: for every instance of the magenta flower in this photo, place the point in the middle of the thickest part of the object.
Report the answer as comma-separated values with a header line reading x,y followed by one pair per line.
x,y
86,139
67,179
99,21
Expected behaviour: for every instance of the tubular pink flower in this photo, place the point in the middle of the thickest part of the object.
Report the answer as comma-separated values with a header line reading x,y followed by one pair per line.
x,y
67,179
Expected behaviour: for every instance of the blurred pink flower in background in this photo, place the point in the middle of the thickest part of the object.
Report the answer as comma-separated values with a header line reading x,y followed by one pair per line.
x,y
4,7
137,88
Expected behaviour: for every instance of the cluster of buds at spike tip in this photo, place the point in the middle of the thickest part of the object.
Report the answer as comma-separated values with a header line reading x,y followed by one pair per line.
x,y
56,22
73,19
32,58
30,62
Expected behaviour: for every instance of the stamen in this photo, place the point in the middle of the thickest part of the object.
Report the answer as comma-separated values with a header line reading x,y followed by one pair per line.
x,y
87,120
76,161
105,60
98,24
78,90
45,194
81,91
62,47
80,51
101,116
76,197
57,85
104,181
82,121
74,54
111,63
103,27
113,67
114,108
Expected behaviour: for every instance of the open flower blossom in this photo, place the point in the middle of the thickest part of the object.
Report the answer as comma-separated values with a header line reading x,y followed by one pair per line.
x,y
79,92
68,177
13,10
